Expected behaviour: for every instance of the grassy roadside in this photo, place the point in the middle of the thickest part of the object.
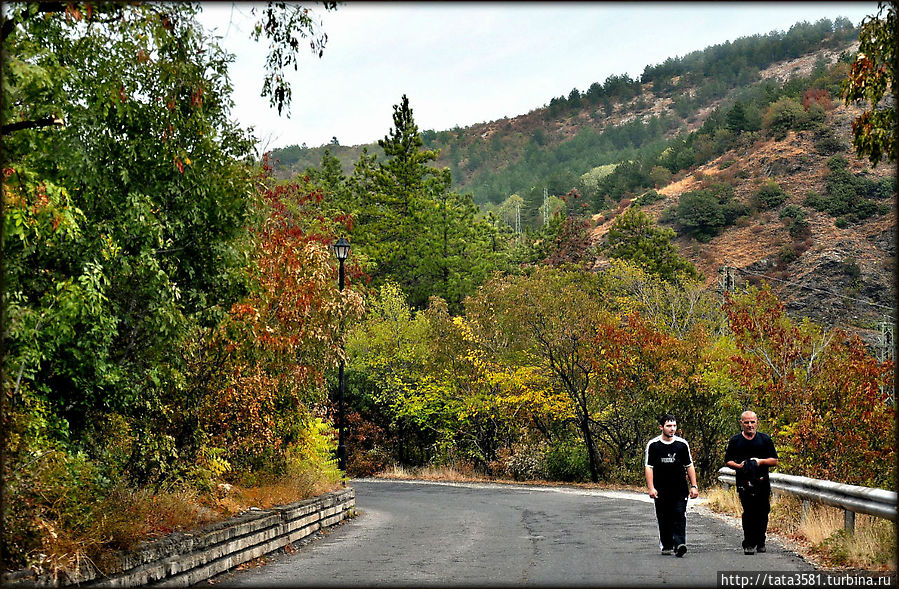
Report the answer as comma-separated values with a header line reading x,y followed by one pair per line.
x,y
819,536
91,530
467,475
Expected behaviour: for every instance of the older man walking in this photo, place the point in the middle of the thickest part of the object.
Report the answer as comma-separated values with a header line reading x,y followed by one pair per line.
x,y
751,453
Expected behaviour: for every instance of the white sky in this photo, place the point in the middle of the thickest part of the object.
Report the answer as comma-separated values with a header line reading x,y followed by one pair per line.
x,y
467,63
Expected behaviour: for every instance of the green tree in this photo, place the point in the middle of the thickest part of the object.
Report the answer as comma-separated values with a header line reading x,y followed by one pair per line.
x,y
128,192
145,175
783,115
736,118
551,315
634,236
700,214
287,26
769,196
872,78
412,227
660,176
395,211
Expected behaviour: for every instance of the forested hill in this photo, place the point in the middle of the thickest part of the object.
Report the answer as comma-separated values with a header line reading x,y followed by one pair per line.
x,y
743,149
608,122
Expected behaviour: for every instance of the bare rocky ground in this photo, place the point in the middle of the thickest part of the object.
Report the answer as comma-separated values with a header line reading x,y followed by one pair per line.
x,y
816,284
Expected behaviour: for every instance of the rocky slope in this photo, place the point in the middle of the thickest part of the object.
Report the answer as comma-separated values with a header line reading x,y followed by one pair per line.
x,y
840,277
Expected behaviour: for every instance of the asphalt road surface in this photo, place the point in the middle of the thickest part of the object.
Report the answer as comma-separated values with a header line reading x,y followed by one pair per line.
x,y
443,534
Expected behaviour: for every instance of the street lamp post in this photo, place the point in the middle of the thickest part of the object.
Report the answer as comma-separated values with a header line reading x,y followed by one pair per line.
x,y
342,251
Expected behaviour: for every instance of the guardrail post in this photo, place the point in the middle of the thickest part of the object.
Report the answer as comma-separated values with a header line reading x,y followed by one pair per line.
x,y
806,510
849,520
852,499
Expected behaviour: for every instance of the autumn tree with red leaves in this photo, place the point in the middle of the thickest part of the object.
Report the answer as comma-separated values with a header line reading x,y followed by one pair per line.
x,y
279,341
821,392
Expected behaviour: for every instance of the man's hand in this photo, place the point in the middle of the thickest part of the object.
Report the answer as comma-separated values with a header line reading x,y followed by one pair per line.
x,y
653,493
694,492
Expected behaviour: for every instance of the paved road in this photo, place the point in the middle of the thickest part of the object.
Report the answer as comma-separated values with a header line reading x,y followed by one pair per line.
x,y
417,534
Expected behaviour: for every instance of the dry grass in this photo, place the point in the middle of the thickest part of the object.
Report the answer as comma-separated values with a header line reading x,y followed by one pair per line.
x,y
820,534
453,473
235,499
128,517
464,473
724,501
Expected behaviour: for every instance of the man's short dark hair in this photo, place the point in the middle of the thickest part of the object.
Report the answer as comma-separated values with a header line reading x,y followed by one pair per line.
x,y
666,418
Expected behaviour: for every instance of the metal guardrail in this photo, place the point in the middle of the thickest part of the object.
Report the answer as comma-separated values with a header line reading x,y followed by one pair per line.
x,y
852,498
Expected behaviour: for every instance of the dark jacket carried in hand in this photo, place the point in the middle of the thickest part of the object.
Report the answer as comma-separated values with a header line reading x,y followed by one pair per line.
x,y
753,477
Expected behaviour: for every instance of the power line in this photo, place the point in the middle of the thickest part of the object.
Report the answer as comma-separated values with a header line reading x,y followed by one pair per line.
x,y
821,290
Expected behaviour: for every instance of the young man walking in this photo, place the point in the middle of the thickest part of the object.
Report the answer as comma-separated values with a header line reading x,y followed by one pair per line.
x,y
751,453
668,464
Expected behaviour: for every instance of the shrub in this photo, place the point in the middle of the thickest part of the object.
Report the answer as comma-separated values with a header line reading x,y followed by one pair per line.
x,y
882,189
700,214
787,254
795,220
734,211
848,195
566,462
648,198
851,269
659,176
770,196
827,143
791,212
784,115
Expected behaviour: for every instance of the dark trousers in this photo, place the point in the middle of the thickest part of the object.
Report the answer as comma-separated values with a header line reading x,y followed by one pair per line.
x,y
755,517
671,513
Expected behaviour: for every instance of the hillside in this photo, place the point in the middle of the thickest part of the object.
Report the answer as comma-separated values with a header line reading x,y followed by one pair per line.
x,y
839,277
837,270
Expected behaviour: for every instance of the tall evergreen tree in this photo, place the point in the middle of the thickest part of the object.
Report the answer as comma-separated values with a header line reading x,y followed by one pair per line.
x,y
412,227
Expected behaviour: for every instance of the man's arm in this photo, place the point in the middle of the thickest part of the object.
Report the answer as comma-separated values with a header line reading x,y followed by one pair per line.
x,y
729,457
771,454
652,490
694,488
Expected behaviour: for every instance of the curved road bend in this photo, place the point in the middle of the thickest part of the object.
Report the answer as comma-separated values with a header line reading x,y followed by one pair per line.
x,y
417,533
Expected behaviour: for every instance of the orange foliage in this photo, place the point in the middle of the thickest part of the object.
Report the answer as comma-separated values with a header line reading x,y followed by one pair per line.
x,y
279,341
818,96
824,394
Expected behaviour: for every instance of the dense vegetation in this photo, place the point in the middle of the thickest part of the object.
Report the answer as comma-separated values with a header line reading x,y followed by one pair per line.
x,y
558,374
172,316
167,317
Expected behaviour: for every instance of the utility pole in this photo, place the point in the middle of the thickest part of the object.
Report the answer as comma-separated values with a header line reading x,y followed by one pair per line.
x,y
545,205
518,217
727,280
884,350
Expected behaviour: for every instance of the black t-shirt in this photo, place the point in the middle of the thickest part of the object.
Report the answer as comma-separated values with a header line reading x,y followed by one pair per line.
x,y
751,476
669,462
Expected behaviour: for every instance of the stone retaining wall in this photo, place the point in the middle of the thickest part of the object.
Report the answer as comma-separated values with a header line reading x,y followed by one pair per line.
x,y
184,558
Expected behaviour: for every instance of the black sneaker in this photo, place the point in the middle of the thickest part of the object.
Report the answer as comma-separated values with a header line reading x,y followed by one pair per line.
x,y
761,548
680,550
748,550
666,551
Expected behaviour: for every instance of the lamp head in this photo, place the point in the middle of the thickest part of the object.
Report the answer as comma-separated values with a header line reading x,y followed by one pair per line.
x,y
342,249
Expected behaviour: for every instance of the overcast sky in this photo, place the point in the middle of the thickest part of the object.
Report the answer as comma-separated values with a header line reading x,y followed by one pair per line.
x,y
467,63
